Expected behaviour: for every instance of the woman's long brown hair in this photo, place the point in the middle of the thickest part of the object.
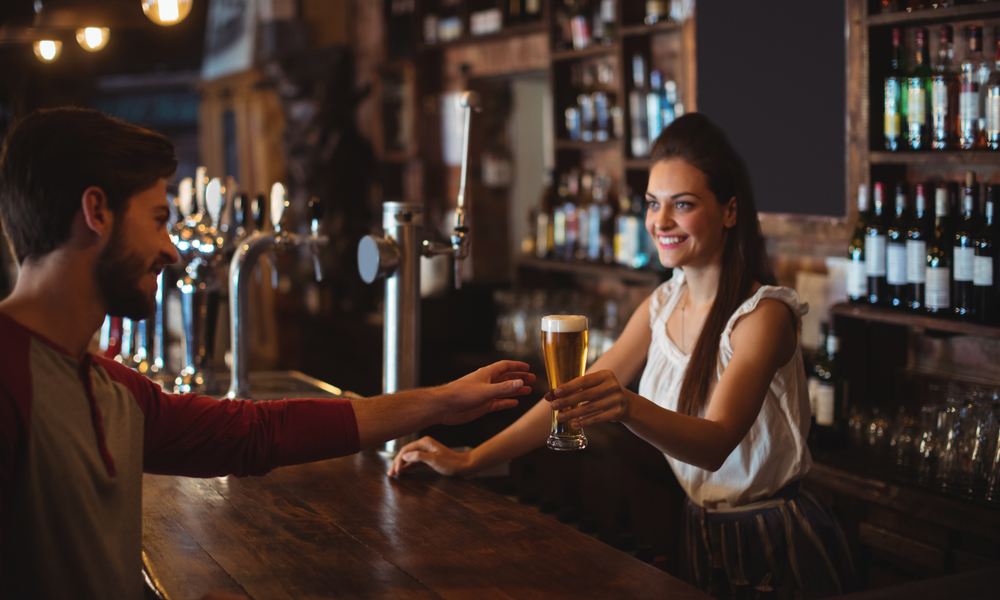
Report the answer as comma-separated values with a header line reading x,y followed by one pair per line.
x,y
696,140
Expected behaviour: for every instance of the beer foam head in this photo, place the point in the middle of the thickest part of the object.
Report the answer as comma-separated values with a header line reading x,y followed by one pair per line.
x,y
564,323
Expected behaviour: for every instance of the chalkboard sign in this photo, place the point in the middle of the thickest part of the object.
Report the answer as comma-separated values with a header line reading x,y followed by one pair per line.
x,y
772,75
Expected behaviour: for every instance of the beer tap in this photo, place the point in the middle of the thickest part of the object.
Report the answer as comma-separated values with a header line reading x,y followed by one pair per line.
x,y
396,256
261,245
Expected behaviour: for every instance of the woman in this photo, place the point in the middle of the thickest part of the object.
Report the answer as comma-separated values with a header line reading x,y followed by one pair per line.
x,y
723,392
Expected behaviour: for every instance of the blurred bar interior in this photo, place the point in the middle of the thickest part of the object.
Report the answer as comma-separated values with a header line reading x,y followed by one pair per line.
x,y
309,115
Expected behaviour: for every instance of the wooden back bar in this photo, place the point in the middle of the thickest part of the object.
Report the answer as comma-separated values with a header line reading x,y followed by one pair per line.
x,y
342,529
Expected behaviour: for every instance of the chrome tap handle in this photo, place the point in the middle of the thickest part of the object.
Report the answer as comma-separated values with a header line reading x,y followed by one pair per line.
x,y
128,339
185,198
241,203
258,211
279,203
470,101
377,257
214,200
200,182
315,219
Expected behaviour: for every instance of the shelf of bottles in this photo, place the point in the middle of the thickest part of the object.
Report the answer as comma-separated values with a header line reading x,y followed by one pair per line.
x,y
909,13
450,22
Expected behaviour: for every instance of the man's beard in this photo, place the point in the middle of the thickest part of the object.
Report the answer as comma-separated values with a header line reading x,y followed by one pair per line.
x,y
119,275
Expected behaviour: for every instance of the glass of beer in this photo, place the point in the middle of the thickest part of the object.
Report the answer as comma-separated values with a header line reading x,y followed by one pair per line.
x,y
564,345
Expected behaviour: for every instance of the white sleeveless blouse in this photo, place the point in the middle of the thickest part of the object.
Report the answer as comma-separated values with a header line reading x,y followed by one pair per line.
x,y
774,452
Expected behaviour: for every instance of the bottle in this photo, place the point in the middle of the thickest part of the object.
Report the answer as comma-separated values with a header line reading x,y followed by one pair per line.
x,y
814,370
937,298
572,218
641,242
531,11
637,107
544,227
916,252
606,15
584,212
984,275
602,116
654,114
917,97
603,219
623,244
992,108
559,219
964,252
896,257
969,82
656,11
829,392
895,100
668,111
944,95
875,247
580,24
857,283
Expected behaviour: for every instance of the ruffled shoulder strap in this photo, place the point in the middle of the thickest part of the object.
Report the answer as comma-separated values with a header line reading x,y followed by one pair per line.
x,y
783,294
661,296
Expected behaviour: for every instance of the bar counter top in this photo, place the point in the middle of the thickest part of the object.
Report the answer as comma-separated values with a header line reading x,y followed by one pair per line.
x,y
342,529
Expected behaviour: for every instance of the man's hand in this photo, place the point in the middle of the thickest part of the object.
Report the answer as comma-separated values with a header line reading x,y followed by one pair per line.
x,y
485,390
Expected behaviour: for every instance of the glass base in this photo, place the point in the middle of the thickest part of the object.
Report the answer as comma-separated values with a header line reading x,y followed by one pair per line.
x,y
567,443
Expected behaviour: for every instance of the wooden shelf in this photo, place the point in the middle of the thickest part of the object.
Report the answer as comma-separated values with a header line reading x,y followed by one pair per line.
x,y
661,27
939,15
581,145
651,278
585,53
918,321
932,157
638,164
503,34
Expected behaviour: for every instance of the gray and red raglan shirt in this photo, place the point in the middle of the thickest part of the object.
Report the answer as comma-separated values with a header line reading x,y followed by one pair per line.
x,y
76,437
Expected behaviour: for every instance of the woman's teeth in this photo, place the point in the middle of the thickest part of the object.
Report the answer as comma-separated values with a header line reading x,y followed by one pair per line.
x,y
670,240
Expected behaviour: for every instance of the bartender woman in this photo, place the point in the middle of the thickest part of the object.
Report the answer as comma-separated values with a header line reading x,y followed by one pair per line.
x,y
723,392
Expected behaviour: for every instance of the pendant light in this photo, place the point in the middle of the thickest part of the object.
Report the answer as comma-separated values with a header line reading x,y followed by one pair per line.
x,y
166,12
93,39
47,50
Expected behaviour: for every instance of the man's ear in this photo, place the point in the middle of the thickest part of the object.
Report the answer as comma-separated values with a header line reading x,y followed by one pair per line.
x,y
730,213
96,213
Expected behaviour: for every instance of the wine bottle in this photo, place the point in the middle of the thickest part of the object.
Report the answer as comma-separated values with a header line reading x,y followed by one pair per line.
x,y
984,276
916,251
896,257
829,390
656,11
637,108
944,95
969,82
814,369
875,247
895,99
857,283
938,273
917,96
993,106
963,254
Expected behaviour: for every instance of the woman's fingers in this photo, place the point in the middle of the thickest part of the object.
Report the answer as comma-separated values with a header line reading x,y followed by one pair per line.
x,y
581,413
591,394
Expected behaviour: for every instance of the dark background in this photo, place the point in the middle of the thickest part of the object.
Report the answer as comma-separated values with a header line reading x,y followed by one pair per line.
x,y
777,87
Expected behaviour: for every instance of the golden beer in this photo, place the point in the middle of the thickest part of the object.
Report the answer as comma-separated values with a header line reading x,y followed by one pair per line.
x,y
564,346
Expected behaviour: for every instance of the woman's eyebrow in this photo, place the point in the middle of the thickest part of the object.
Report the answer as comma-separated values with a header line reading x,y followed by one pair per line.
x,y
676,196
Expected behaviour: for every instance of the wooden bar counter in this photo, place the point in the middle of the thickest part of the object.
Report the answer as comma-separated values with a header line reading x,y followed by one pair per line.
x,y
342,529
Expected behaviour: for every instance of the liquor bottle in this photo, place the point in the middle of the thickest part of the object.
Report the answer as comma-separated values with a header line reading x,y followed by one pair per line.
x,y
917,97
606,15
572,218
916,251
937,292
580,24
623,245
602,116
562,16
641,241
895,99
531,10
656,11
969,83
896,258
559,219
668,111
857,283
984,275
602,220
654,114
875,242
984,69
992,108
814,369
584,213
637,108
964,252
544,227
944,95
829,392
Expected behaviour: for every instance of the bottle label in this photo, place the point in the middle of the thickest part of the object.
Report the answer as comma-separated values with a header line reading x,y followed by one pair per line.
x,y
968,105
983,267
916,103
826,399
891,127
916,260
993,111
964,271
895,260
938,292
875,255
939,97
857,285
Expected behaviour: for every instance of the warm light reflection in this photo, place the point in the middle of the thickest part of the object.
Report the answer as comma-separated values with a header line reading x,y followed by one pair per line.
x,y
93,39
166,12
48,50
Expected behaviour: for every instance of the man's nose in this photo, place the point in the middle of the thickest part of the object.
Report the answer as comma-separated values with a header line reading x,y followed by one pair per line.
x,y
171,252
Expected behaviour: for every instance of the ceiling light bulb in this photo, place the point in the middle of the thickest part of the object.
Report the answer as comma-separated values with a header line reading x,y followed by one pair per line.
x,y
166,12
48,50
93,39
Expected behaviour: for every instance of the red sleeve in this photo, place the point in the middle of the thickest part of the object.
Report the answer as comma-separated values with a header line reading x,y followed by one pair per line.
x,y
198,436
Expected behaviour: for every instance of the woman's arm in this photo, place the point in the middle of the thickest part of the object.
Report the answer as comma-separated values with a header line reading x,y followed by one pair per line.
x,y
763,341
625,359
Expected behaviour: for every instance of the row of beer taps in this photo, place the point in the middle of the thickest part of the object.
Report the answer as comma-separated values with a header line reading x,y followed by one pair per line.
x,y
212,231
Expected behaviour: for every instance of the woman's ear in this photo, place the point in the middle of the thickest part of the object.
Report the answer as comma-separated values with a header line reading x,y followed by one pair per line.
x,y
729,213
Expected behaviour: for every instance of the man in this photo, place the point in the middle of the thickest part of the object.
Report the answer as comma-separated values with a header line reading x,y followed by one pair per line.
x,y
83,200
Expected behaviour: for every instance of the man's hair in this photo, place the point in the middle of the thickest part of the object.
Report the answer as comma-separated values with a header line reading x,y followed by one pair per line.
x,y
51,156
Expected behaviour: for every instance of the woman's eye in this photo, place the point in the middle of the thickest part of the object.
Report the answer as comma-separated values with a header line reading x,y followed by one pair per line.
x,y
652,204
683,205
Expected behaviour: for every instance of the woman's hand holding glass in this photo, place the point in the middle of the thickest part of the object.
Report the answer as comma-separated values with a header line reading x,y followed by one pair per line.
x,y
596,397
